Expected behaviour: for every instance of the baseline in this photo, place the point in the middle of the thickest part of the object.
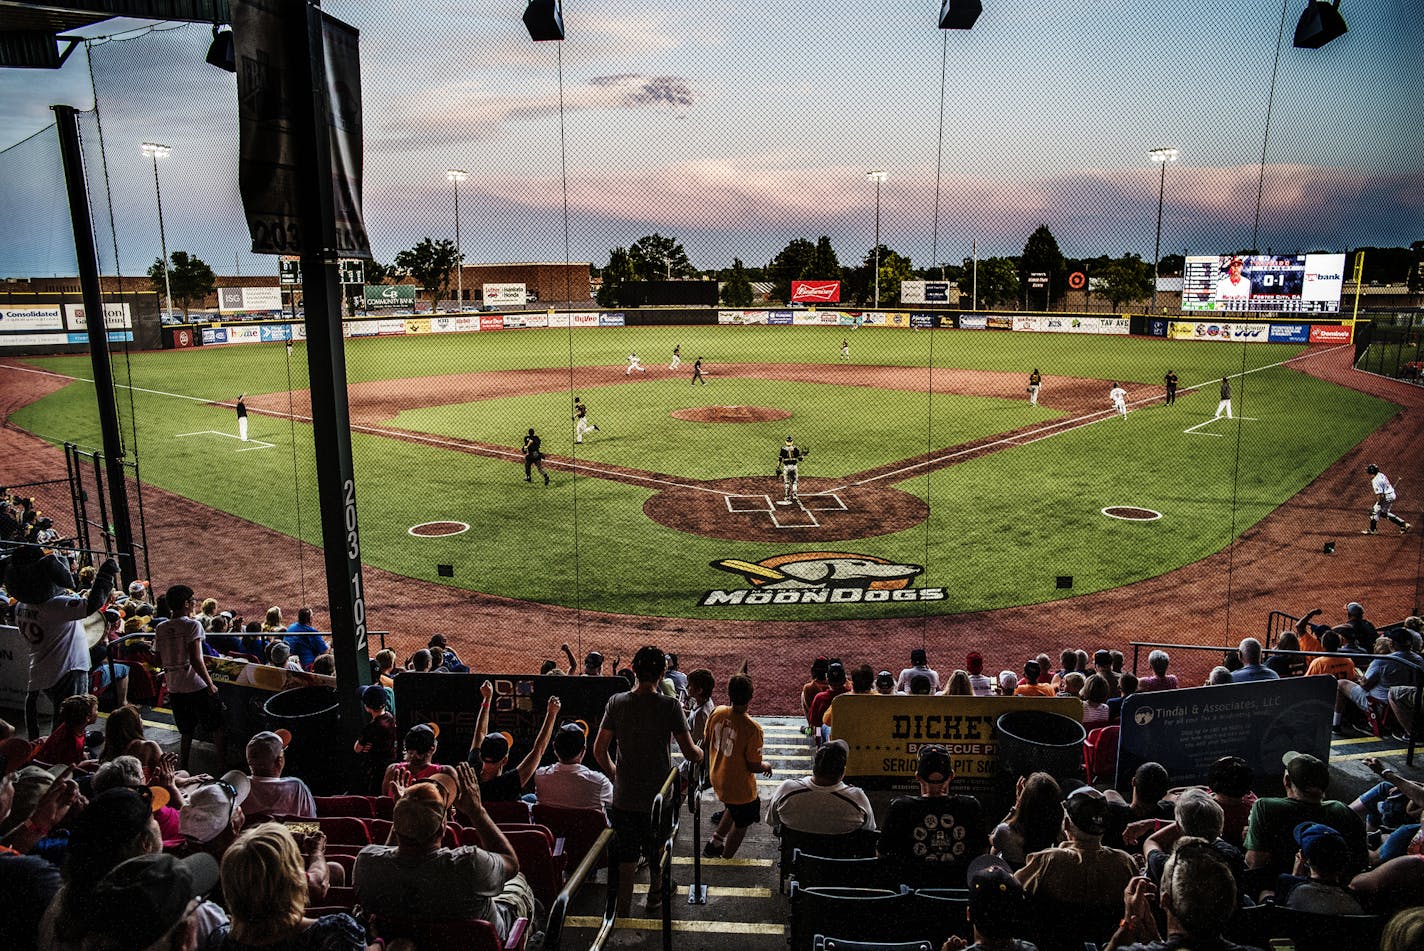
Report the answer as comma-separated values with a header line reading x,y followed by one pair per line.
x,y
261,444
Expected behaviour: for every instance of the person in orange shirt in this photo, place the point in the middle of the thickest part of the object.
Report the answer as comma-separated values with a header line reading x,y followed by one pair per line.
x,y
1341,668
734,743
1029,686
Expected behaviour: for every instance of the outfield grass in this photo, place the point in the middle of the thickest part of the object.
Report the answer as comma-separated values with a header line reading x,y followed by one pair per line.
x,y
1002,525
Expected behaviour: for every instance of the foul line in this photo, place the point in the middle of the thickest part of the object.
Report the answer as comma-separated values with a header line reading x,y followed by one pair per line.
x,y
261,444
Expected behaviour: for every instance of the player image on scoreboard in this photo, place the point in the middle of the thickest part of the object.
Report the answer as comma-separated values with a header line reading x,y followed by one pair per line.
x,y
1263,283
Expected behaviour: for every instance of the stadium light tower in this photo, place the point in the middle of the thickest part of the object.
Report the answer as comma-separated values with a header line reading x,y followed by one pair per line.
x,y
1161,157
155,151
877,176
456,176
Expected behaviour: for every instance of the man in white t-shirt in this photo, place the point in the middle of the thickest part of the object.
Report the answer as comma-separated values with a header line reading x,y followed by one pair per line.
x,y
1119,399
273,794
822,803
1234,286
1384,501
569,783
192,695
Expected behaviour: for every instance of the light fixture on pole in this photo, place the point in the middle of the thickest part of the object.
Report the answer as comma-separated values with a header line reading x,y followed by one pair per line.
x,y
456,176
155,151
1319,24
877,176
1161,157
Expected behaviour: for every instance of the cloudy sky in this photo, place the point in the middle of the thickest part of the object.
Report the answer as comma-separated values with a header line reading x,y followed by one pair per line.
x,y
737,128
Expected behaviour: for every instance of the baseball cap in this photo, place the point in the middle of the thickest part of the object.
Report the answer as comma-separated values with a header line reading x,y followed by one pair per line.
x,y
495,747
31,783
266,746
375,697
113,819
831,758
140,900
1306,771
1321,845
997,905
1402,636
418,818
884,679
593,659
935,764
1088,810
835,671
1234,261
570,740
1102,658
420,738
137,589
1354,607
210,808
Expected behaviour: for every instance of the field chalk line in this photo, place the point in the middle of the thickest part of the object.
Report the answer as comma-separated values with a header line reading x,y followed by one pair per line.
x,y
217,432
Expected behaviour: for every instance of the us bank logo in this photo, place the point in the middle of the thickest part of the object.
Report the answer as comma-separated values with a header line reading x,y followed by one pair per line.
x,y
819,577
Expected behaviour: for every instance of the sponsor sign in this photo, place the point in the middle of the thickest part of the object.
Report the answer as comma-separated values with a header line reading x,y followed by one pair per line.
x,y
441,325
505,295
418,325
115,336
819,577
274,332
973,322
875,319
468,323
1188,730
361,328
924,292
1212,330
885,735
30,317
921,321
491,322
1157,328
116,316
1077,280
741,317
584,319
1289,333
816,292
536,320
390,327
611,320
1329,333
897,320
212,336
389,295
781,318
999,322
1037,278
1077,325
183,338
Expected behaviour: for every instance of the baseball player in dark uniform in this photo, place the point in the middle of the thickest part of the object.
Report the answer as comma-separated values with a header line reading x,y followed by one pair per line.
x,y
1171,380
786,466
241,417
697,376
1035,380
533,458
581,423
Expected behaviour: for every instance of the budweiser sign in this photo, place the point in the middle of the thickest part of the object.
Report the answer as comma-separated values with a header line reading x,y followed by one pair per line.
x,y
816,292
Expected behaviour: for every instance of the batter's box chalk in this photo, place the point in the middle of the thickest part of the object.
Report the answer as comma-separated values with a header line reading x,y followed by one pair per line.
x,y
748,503
824,503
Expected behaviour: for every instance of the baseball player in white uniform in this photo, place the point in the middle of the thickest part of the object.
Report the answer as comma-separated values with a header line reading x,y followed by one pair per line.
x,y
1225,405
1119,400
581,423
676,357
786,466
242,417
634,364
1233,286
1384,498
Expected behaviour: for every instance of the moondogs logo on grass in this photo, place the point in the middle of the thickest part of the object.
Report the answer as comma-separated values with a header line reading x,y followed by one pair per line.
x,y
820,577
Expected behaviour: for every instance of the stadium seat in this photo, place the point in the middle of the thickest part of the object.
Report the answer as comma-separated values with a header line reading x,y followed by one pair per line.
x,y
383,807
541,867
823,943
937,913
340,896
380,830
852,914
1316,932
502,812
1100,753
820,871
858,844
356,807
579,828
345,830
346,860
473,935
1064,926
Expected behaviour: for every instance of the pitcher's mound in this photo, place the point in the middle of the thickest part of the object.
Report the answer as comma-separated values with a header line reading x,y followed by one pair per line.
x,y
731,414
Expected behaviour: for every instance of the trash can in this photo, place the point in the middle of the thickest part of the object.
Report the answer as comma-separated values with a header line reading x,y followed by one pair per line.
x,y
312,716
1036,741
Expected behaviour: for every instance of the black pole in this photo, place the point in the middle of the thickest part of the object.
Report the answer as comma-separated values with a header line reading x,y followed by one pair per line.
x,y
67,122
326,364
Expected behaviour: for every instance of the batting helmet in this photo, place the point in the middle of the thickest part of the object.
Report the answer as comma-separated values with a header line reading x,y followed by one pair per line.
x,y
1372,468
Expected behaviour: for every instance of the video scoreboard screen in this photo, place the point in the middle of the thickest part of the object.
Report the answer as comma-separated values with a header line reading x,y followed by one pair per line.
x,y
1285,283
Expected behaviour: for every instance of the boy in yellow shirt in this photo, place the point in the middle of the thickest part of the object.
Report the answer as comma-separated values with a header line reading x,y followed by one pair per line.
x,y
734,742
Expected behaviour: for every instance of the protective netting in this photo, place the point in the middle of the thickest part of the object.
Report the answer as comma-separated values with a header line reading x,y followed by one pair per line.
x,y
735,133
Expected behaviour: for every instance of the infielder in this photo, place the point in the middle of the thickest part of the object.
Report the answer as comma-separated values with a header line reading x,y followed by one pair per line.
x,y
533,457
1119,400
786,466
697,376
241,417
581,423
1171,380
1035,380
634,364
1384,498
1225,405
676,357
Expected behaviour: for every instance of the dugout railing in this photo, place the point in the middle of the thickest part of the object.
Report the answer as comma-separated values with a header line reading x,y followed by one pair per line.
x,y
1418,669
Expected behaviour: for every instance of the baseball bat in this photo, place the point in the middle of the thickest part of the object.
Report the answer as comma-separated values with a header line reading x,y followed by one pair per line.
x,y
739,567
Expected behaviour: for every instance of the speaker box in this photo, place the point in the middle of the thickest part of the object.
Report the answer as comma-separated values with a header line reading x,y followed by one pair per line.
x,y
1318,25
545,20
959,14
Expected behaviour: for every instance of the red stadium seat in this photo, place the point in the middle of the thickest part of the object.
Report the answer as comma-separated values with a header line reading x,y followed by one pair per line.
x,y
340,896
1100,753
345,830
502,812
541,867
380,830
579,828
452,935
356,807
383,806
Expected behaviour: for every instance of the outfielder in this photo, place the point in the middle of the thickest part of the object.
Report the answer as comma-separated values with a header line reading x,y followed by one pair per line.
x,y
676,357
1225,405
1119,400
1384,498
241,417
634,364
1035,380
845,350
786,466
581,423
533,457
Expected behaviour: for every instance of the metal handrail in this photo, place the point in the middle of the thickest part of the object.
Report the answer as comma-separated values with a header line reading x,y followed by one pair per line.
x,y
1417,668
665,823
554,932
697,782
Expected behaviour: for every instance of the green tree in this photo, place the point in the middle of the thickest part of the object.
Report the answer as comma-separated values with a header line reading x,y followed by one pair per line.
x,y
189,277
823,265
1041,253
737,291
1171,265
791,264
656,258
1124,280
1416,269
997,282
858,284
430,263
378,273
618,272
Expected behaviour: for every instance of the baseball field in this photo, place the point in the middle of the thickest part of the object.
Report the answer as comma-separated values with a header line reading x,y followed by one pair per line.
x,y
931,485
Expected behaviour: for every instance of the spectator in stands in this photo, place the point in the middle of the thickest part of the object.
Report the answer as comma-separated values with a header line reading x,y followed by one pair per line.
x,y
28,882
700,685
377,742
1095,702
1395,803
643,721
301,637
386,666
273,794
1149,790
920,686
65,745
1404,931
815,685
324,664
279,654
959,685
419,662
150,902
1196,816
1029,686
974,663
272,623
420,745
862,681
1033,824
1103,664
1270,831
998,910
1008,683
1252,669
1229,781
1392,885
124,736
822,803
1081,873
1384,673
1067,664
160,789
568,783
192,695
919,664
416,880
885,683
1158,660
931,838
206,612
1198,897
1288,665
1072,685
212,817
835,686
1219,676
678,678
265,887
1317,883
1127,685
1363,631
734,743
498,784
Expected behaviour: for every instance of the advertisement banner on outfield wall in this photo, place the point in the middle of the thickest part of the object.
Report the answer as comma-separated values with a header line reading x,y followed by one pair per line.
x,y
1329,333
241,299
1289,333
30,317
442,325
736,317
273,333
389,295
816,292
418,325
584,318
781,318
535,320
897,320
505,295
491,322
1156,328
1214,330
116,316
611,320
924,292
999,322
922,321
390,327
885,735
973,322
1042,323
